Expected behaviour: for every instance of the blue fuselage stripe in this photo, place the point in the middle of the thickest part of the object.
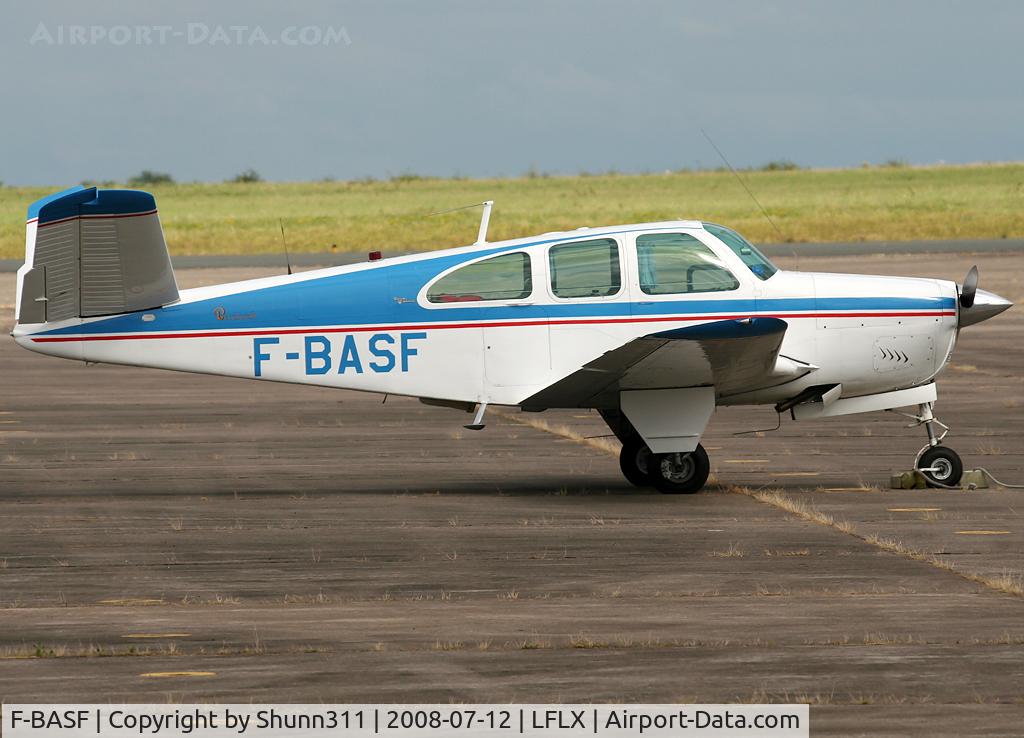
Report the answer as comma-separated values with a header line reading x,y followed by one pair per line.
x,y
387,295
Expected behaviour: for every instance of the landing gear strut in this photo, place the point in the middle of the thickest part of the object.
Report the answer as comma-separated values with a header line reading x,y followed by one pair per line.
x,y
941,466
675,473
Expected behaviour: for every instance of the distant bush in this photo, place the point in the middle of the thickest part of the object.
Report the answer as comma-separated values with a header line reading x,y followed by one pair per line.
x,y
895,163
98,183
149,177
249,175
780,165
407,177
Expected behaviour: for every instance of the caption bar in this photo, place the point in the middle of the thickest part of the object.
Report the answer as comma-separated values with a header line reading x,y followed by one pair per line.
x,y
412,721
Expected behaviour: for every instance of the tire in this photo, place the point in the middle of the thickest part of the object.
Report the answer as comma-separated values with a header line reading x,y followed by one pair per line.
x,y
680,473
948,467
633,461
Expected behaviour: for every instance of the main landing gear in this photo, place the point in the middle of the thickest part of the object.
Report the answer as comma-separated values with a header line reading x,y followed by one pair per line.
x,y
674,474
941,466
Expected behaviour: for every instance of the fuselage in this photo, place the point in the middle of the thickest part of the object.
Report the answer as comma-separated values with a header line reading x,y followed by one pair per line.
x,y
390,326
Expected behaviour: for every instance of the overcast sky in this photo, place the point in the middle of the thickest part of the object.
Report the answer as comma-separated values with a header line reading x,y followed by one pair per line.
x,y
475,88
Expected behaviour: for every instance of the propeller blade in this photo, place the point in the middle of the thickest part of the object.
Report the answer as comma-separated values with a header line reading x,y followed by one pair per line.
x,y
969,288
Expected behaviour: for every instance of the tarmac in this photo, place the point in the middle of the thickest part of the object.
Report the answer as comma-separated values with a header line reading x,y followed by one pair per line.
x,y
179,537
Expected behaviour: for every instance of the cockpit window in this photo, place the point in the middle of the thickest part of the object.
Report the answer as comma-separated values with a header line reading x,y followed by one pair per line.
x,y
505,277
677,263
756,261
585,268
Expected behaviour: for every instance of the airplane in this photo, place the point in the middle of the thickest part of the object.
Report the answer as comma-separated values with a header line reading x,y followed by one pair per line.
x,y
654,325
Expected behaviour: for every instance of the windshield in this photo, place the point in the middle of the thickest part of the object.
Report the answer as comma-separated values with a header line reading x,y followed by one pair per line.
x,y
756,261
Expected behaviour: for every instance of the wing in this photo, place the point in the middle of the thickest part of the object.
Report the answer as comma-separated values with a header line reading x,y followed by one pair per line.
x,y
731,355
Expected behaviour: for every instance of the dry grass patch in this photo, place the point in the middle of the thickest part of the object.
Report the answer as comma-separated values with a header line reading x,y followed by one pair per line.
x,y
733,552
607,445
786,552
215,600
763,591
1006,639
1009,582
65,651
317,599
797,507
532,644
581,640
885,639
448,645
765,697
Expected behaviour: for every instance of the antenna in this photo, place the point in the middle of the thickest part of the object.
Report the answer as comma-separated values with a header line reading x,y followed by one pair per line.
x,y
485,218
284,242
744,185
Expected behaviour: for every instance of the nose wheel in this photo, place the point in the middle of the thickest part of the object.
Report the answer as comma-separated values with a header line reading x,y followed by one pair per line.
x,y
674,473
940,465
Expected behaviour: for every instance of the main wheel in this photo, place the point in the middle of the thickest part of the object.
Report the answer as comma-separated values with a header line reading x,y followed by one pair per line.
x,y
679,473
634,461
941,466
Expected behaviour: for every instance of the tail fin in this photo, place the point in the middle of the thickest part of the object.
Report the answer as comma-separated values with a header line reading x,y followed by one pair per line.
x,y
90,252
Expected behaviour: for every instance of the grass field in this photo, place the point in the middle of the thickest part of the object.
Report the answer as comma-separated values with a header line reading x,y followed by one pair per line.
x,y
867,204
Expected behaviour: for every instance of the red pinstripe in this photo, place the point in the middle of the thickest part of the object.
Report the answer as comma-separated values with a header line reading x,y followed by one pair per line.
x,y
441,326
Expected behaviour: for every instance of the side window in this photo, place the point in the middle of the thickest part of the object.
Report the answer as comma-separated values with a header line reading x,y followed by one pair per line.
x,y
505,277
677,263
585,268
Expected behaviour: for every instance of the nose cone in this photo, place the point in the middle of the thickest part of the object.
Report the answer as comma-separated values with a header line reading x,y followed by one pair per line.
x,y
986,305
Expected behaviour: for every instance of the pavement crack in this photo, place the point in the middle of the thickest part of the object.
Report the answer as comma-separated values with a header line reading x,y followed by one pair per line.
x,y
1006,583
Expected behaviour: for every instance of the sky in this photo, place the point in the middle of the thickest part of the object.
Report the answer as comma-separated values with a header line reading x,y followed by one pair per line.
x,y
312,88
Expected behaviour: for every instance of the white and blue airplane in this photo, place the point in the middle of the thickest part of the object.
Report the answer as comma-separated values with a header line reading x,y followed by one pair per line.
x,y
654,325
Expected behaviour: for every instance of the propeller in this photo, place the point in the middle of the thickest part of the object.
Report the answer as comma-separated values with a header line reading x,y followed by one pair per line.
x,y
969,289
977,305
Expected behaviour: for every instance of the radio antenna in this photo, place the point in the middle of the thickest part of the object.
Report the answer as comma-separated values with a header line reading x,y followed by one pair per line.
x,y
744,185
284,242
485,218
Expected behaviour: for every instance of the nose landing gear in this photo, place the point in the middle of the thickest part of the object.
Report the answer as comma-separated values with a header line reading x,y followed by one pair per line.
x,y
940,465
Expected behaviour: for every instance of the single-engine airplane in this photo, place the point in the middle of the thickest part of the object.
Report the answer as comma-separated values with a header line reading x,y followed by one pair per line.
x,y
654,325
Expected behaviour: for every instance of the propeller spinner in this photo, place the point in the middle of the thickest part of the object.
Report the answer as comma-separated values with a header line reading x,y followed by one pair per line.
x,y
978,305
